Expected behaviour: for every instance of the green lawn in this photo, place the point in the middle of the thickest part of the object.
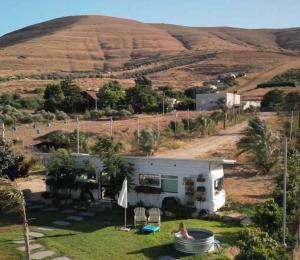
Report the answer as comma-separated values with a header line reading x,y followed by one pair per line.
x,y
99,238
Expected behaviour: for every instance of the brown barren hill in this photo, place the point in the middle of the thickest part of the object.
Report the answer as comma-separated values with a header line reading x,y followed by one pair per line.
x,y
105,44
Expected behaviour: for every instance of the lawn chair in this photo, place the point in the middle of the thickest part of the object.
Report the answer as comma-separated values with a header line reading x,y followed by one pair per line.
x,y
139,216
154,216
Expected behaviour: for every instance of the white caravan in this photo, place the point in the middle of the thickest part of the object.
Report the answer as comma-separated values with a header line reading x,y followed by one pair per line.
x,y
196,183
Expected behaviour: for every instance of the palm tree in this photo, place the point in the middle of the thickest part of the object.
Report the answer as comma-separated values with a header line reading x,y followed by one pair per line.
x,y
262,146
12,199
224,109
204,124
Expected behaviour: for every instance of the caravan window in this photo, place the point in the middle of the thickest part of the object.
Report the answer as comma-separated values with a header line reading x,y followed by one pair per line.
x,y
218,185
150,180
169,183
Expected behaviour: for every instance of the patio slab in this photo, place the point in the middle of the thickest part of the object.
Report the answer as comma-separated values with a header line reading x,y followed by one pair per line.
x,y
36,234
32,247
42,254
36,207
61,223
75,218
46,228
68,211
61,258
87,214
51,209
21,241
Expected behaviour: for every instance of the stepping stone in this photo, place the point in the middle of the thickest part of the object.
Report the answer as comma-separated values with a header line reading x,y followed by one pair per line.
x,y
75,218
68,211
87,214
36,207
36,234
46,228
61,223
51,209
32,247
21,241
42,255
61,258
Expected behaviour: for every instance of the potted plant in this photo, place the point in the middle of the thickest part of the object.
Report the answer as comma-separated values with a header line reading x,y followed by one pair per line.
x,y
200,178
201,189
200,197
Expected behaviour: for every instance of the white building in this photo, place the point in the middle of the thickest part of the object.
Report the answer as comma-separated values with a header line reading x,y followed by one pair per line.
x,y
247,104
208,101
197,183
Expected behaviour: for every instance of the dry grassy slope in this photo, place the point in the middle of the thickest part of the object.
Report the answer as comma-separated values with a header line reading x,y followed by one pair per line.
x,y
87,43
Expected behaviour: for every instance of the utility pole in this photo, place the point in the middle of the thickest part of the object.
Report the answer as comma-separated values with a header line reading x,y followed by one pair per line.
x,y
291,126
158,127
3,131
188,121
163,104
78,141
96,103
175,122
284,192
111,126
138,129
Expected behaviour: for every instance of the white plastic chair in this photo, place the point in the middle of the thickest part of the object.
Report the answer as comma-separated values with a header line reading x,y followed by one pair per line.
x,y
154,216
139,216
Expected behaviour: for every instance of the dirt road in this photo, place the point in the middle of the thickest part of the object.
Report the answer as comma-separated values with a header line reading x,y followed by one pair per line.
x,y
200,147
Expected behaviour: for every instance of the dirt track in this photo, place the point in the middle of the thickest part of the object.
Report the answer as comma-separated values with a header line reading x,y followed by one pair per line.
x,y
202,146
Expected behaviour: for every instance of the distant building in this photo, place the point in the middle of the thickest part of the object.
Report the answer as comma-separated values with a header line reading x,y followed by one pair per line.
x,y
247,104
208,101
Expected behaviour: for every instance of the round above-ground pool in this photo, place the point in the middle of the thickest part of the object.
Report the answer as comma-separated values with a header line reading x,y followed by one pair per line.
x,y
203,241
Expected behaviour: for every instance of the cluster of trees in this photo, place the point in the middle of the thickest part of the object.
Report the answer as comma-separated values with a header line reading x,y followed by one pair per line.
x,y
263,148
65,96
15,100
277,100
11,165
10,116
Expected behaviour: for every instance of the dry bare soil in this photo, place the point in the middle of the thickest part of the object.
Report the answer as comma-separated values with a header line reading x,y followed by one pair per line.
x,y
169,54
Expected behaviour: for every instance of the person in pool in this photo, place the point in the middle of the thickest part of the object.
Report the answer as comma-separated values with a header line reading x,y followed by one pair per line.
x,y
183,231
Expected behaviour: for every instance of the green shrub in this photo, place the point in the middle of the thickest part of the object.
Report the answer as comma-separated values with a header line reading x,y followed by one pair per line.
x,y
123,113
97,114
256,244
60,115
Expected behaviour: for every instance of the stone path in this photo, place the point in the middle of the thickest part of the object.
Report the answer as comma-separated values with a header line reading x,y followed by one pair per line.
x,y
39,252
68,211
36,234
42,254
87,214
46,228
61,223
51,209
75,218
32,247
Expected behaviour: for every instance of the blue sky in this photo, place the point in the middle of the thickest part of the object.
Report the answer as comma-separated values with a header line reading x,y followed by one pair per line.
x,y
15,14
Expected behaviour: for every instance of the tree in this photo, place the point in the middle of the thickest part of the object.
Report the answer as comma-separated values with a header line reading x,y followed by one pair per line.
x,y
114,170
204,125
12,199
258,245
292,101
147,141
261,145
11,165
74,101
272,99
224,109
111,95
53,97
268,217
143,80
142,98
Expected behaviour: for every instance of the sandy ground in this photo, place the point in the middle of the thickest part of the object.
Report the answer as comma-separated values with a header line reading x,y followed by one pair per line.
x,y
241,181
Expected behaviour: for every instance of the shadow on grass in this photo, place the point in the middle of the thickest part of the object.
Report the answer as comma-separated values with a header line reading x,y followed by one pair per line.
x,y
156,251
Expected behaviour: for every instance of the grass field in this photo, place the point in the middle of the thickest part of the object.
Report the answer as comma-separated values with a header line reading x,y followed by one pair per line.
x,y
99,238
